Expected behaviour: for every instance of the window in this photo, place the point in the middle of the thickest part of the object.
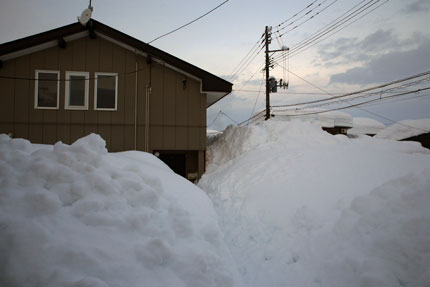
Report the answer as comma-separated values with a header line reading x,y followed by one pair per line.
x,y
47,89
106,91
76,91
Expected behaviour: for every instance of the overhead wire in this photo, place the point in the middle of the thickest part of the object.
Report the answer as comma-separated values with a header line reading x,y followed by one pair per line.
x,y
189,23
308,19
297,13
327,26
356,92
364,103
256,45
256,99
358,106
333,27
249,61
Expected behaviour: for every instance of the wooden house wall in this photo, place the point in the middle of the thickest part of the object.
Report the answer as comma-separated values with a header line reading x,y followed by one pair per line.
x,y
177,113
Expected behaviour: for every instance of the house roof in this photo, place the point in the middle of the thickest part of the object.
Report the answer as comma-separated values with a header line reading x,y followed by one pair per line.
x,y
405,129
215,87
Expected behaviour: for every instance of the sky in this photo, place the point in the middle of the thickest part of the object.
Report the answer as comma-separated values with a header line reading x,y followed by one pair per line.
x,y
389,42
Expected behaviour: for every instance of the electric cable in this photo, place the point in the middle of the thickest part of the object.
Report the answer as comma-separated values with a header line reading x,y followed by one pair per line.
x,y
256,100
189,23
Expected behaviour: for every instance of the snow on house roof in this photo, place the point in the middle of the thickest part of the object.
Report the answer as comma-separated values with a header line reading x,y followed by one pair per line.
x,y
405,129
365,126
320,117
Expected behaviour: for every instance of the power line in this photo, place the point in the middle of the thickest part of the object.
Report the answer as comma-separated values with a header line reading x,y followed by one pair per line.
x,y
297,13
70,80
246,56
189,23
219,113
325,28
227,116
372,113
310,18
339,22
364,103
256,100
357,92
360,104
249,61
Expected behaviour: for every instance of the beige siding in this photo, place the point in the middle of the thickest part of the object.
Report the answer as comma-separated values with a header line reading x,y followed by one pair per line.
x,y
177,113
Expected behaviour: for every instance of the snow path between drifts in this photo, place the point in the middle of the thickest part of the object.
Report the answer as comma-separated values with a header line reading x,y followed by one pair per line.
x,y
82,217
300,207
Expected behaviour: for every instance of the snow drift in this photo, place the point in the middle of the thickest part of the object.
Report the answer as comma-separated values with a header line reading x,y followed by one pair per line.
x,y
300,207
79,216
365,126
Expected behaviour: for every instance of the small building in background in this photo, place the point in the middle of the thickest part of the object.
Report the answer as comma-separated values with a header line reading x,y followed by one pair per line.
x,y
333,122
408,130
66,83
365,126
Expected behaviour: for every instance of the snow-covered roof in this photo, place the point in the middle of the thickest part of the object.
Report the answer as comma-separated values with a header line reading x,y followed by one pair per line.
x,y
405,129
365,126
320,117
211,132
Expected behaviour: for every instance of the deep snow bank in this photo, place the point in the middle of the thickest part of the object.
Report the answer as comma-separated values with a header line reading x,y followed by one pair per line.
x,y
79,216
365,126
300,207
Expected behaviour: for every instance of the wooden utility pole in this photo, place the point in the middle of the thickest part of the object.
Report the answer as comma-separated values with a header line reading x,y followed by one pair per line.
x,y
267,37
267,40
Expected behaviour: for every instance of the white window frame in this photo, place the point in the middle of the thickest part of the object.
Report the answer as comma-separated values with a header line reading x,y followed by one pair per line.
x,y
96,88
36,89
67,90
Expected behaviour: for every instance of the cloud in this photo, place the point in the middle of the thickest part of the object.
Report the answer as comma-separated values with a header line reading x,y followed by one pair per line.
x,y
388,67
347,50
418,7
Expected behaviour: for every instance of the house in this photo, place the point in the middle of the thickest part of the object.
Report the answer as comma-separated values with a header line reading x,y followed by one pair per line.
x,y
408,130
68,82
365,126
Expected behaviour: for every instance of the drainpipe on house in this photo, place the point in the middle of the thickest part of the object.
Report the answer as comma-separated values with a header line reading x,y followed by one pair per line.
x,y
148,93
147,99
135,106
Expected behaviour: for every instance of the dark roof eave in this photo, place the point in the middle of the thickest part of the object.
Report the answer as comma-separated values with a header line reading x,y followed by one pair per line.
x,y
41,38
210,82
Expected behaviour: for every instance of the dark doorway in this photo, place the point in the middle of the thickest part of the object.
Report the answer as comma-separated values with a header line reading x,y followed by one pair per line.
x,y
175,161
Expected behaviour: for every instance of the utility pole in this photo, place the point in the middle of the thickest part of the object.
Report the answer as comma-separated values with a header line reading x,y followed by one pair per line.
x,y
268,40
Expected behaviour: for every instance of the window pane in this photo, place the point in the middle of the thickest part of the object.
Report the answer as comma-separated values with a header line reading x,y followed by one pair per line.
x,y
47,90
77,91
106,92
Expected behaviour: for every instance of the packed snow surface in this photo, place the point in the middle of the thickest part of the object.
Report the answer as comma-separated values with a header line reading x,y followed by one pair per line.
x,y
78,216
405,129
300,207
365,126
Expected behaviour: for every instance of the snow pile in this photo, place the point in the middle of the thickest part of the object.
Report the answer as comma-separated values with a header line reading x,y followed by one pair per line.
x,y
405,129
365,126
212,136
319,117
300,207
79,216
